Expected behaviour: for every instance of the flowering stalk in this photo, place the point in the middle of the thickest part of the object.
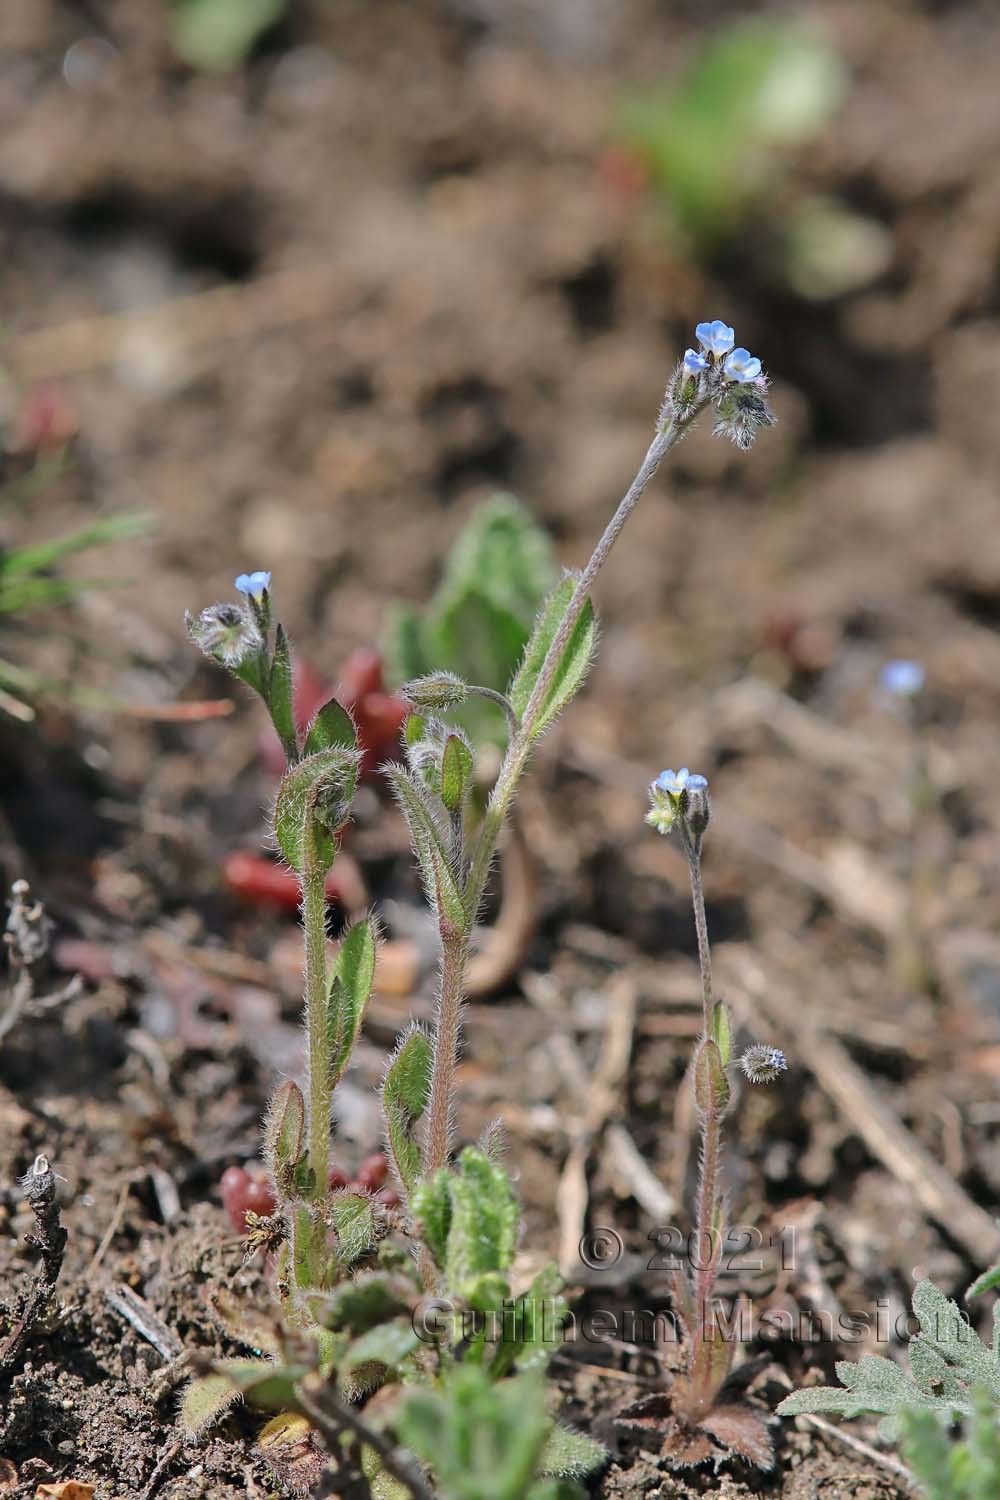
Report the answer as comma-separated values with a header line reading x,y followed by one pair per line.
x,y
732,381
680,801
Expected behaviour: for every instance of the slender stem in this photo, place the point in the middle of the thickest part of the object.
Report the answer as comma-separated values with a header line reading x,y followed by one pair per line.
x,y
314,927
693,851
503,702
451,989
710,1119
707,1230
455,954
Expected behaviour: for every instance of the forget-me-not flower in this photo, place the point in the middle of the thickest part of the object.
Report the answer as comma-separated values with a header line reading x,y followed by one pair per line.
x,y
742,366
903,679
762,1063
694,362
255,585
676,782
717,337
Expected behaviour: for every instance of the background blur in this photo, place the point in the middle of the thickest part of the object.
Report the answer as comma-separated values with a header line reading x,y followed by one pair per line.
x,y
301,282
305,281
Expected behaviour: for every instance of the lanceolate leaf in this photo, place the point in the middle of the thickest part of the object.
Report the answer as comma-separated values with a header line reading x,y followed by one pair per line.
x,y
279,695
485,1214
353,1217
439,878
711,1086
206,1399
314,800
456,772
331,729
284,1131
575,663
350,989
404,1097
387,1345
571,1455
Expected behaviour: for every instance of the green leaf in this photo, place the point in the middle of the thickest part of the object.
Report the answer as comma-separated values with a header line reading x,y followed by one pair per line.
x,y
405,1093
351,981
575,663
264,1384
217,35
456,772
314,800
22,561
534,1329
205,1400
284,1132
987,1282
387,1345
332,728
711,1086
485,1216
280,694
442,887
476,626
571,1455
353,1217
361,1303
430,1204
722,1032
481,1437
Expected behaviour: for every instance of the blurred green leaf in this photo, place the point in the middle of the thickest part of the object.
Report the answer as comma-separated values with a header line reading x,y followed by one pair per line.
x,y
217,35
713,143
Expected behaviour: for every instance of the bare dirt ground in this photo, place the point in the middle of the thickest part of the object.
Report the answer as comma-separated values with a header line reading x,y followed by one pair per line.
x,y
307,316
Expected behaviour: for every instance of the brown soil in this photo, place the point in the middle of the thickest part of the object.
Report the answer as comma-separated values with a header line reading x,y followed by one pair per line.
x,y
310,314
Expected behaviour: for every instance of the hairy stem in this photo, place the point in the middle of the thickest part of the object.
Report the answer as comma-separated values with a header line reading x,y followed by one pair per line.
x,y
314,927
707,1229
451,990
701,930
456,952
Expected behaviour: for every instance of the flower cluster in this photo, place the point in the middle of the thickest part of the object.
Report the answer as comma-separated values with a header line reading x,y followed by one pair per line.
x,y
677,794
725,375
232,633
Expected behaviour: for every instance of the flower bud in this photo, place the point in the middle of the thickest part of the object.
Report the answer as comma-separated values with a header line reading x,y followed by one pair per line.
x,y
437,691
225,633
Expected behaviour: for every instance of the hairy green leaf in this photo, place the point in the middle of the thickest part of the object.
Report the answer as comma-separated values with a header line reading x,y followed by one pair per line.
x,y
353,1217
284,1132
571,1455
314,801
575,662
332,728
351,980
279,695
456,772
405,1093
429,846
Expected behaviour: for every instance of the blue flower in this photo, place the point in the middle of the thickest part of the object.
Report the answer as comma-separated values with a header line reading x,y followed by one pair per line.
x,y
742,366
676,782
694,362
253,584
903,679
717,337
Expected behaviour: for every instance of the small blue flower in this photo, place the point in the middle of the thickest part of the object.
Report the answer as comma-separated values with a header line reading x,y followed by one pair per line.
x,y
903,679
694,362
676,782
717,338
742,366
253,584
